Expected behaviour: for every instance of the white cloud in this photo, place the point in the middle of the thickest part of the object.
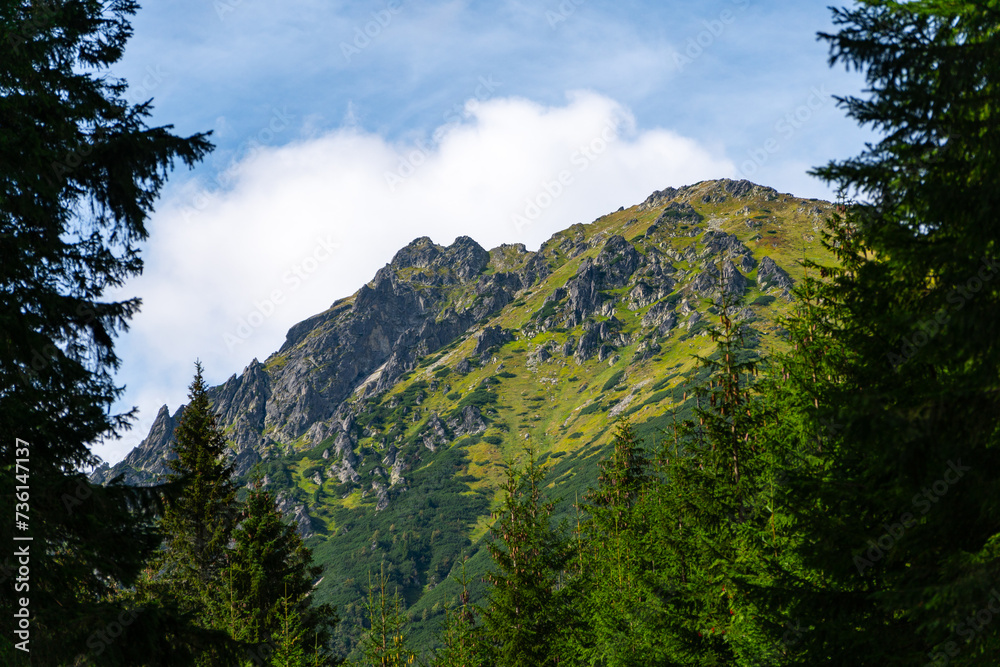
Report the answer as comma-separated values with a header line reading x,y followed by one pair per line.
x,y
228,272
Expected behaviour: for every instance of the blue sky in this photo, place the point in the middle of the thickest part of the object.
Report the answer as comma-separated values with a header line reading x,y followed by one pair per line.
x,y
346,129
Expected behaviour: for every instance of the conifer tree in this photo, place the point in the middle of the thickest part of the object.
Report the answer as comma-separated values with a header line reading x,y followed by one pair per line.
x,y
895,516
531,609
290,639
79,172
622,609
268,580
709,514
384,643
460,636
197,523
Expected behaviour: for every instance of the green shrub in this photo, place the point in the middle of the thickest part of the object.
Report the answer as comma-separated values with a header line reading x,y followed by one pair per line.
x,y
613,380
479,398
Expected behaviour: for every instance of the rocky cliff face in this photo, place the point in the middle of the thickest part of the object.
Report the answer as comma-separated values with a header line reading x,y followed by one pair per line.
x,y
398,368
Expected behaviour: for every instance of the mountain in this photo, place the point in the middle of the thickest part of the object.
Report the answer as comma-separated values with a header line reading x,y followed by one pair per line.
x,y
385,422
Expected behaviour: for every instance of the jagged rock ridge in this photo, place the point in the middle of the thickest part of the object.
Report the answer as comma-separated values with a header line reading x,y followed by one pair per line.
x,y
623,289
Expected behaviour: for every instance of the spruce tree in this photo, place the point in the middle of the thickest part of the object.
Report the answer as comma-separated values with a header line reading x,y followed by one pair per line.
x,y
895,378
709,513
268,579
79,172
622,610
531,609
384,642
460,636
290,651
197,523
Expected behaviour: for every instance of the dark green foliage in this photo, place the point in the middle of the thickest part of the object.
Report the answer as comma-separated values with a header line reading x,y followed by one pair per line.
x,y
659,397
545,312
420,537
199,522
710,513
481,397
621,608
592,408
892,396
613,381
268,576
384,642
460,641
392,411
79,172
530,615
662,382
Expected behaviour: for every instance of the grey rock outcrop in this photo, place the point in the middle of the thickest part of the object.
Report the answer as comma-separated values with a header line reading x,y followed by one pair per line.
x,y
658,199
769,274
468,422
147,463
661,316
726,246
710,280
490,338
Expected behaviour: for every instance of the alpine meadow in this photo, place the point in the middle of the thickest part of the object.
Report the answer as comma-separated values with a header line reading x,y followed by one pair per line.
x,y
721,425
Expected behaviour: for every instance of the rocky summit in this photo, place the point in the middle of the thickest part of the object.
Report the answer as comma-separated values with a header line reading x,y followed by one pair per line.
x,y
385,423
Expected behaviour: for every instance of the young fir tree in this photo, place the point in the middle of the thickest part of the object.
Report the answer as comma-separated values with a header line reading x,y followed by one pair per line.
x,y
290,639
384,642
268,579
623,611
531,609
709,516
199,522
461,644
80,172
896,521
